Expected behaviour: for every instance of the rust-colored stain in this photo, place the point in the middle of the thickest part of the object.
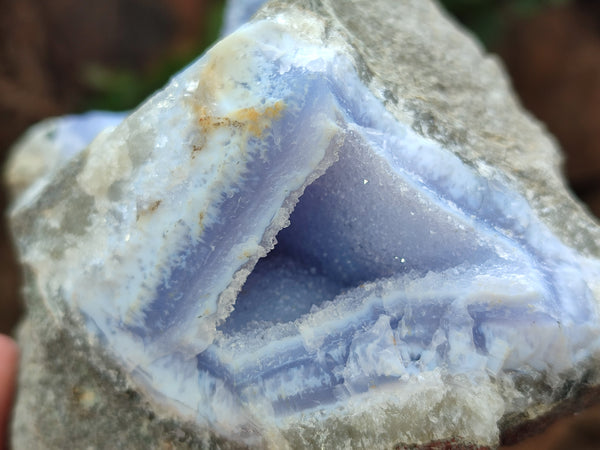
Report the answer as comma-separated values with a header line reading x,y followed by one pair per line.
x,y
77,392
196,149
249,120
150,209
257,121
155,205
201,220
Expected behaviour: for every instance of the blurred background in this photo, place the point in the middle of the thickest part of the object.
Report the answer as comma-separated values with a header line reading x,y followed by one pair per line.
x,y
65,56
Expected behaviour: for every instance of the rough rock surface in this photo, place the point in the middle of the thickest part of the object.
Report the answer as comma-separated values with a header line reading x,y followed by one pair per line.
x,y
337,228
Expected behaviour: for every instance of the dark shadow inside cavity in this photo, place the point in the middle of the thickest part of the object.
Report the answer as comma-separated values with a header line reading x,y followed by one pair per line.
x,y
357,223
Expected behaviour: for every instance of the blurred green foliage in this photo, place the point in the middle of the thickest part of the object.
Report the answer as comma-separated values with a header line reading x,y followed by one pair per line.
x,y
123,88
488,19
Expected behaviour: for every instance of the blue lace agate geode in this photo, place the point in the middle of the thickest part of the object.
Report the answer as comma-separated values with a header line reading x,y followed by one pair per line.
x,y
284,247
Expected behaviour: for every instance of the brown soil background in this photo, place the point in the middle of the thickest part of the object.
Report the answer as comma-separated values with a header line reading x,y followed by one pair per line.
x,y
47,46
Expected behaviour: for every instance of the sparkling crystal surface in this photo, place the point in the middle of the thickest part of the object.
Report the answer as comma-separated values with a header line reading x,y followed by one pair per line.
x,y
271,251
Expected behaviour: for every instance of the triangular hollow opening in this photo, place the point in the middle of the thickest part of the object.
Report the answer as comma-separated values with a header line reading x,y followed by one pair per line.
x,y
360,221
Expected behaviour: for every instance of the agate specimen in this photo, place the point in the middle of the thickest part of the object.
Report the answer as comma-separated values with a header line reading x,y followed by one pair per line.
x,y
336,229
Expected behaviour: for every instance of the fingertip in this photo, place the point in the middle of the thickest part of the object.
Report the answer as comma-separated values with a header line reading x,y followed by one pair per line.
x,y
9,352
